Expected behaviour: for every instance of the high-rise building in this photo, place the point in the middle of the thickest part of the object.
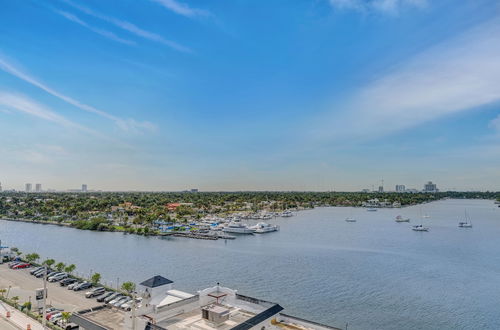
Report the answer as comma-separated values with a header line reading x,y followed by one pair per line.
x,y
430,187
0,187
380,188
38,187
400,188
84,188
27,187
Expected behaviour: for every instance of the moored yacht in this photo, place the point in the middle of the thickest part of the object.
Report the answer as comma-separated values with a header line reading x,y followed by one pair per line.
x,y
263,227
401,219
238,228
286,214
419,228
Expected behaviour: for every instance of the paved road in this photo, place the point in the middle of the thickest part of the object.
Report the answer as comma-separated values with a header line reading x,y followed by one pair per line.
x,y
6,325
23,284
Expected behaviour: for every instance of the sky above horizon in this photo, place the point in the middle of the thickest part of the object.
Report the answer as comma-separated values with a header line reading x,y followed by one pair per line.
x,y
250,95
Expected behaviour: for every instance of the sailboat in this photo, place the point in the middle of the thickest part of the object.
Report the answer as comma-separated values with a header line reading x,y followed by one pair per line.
x,y
466,223
350,218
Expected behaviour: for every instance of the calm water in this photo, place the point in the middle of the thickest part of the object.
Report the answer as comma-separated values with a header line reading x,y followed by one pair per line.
x,y
373,274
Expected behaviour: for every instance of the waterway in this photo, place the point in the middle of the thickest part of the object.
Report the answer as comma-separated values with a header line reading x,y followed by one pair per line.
x,y
372,274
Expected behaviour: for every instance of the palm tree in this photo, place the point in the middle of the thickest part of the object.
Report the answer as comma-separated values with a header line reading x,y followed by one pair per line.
x,y
65,316
95,278
70,269
128,286
60,266
15,299
49,262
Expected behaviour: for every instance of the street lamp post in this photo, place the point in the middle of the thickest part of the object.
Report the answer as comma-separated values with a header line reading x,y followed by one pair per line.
x,y
44,306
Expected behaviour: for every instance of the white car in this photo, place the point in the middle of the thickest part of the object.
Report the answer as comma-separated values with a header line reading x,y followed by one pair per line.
x,y
122,301
128,305
58,277
71,286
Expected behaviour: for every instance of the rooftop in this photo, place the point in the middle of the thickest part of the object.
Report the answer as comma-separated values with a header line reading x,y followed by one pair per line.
x,y
156,281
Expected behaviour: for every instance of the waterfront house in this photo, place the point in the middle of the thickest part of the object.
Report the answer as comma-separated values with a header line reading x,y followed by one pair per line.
x,y
215,308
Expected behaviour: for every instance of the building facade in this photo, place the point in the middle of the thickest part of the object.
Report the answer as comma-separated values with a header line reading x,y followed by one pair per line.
x,y
430,187
400,188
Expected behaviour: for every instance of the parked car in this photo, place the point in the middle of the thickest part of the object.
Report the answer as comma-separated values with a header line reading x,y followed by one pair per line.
x,y
52,274
22,265
53,312
71,326
104,296
54,316
34,270
120,301
14,263
128,305
82,286
72,286
95,292
58,277
52,309
114,299
113,296
67,281
39,273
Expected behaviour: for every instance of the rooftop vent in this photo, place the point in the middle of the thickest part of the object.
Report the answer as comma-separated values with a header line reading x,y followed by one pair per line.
x,y
215,314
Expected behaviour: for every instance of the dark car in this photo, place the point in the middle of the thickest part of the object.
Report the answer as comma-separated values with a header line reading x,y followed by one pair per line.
x,y
104,296
37,269
113,296
67,281
83,286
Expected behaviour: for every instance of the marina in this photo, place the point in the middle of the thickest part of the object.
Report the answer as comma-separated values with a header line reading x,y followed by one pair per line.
x,y
375,274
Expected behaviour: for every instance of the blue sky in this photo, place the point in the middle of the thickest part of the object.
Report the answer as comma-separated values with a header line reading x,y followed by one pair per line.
x,y
250,95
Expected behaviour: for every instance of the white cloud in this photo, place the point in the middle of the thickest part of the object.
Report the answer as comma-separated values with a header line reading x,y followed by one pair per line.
x,y
458,75
24,104
495,123
181,8
124,123
129,27
385,6
104,33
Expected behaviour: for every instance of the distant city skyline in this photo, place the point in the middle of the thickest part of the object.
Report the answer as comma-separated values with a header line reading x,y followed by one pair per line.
x,y
229,95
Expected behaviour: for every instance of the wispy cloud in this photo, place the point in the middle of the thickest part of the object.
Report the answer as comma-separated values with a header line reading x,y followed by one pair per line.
x,y
182,8
458,75
129,27
495,123
124,123
384,6
24,104
104,33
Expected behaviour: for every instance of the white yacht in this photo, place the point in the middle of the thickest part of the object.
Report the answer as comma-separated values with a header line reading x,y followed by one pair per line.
x,y
401,219
286,214
263,227
238,228
466,223
267,216
349,219
419,228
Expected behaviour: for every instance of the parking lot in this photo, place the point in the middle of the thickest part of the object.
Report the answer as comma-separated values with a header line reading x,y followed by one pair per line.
x,y
20,283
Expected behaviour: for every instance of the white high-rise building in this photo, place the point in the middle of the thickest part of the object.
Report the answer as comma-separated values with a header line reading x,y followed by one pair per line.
x,y
38,187
28,187
84,188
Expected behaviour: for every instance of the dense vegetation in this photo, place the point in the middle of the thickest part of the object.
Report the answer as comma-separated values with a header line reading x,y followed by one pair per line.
x,y
120,210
